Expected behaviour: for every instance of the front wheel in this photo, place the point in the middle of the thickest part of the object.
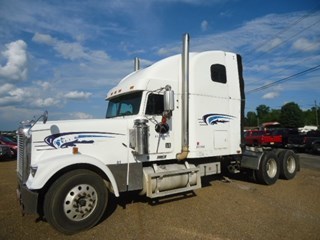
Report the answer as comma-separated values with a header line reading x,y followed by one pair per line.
x,y
76,201
268,172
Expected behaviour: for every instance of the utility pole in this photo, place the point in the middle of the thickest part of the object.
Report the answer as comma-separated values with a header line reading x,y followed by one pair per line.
x,y
316,108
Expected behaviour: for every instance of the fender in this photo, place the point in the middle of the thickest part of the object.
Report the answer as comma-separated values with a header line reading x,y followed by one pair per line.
x,y
47,168
251,159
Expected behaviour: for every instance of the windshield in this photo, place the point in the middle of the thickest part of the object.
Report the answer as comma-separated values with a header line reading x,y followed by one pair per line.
x,y
125,105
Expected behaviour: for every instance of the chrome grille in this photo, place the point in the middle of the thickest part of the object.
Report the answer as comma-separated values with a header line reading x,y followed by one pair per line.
x,y
24,157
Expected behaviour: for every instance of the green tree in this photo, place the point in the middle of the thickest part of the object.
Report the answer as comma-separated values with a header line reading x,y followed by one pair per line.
x,y
311,116
262,112
273,116
291,115
251,119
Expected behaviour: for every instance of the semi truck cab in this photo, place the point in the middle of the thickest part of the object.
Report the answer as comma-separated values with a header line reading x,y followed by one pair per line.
x,y
166,126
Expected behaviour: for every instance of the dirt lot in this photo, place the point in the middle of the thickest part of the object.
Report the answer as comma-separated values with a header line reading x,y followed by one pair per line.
x,y
236,209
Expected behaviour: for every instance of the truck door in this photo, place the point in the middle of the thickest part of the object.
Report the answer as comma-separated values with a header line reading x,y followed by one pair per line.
x,y
160,130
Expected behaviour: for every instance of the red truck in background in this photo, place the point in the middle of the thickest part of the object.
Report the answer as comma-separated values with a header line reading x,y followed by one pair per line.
x,y
262,138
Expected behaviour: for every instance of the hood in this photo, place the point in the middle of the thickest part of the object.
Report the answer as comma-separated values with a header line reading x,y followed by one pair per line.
x,y
70,133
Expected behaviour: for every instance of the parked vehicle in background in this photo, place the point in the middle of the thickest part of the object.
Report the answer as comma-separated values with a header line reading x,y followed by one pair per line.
x,y
262,138
311,141
5,152
5,141
300,141
291,137
316,146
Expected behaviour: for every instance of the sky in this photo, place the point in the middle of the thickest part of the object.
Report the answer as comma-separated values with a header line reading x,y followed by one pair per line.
x,y
64,56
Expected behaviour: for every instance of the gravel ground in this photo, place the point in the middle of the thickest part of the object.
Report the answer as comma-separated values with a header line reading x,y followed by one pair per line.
x,y
235,208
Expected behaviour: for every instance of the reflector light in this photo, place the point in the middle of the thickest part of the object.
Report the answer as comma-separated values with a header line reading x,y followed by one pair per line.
x,y
75,150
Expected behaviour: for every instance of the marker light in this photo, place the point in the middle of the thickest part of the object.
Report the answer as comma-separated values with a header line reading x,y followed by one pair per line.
x,y
75,150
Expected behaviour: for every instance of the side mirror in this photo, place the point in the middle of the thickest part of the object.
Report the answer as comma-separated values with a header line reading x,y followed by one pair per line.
x,y
168,99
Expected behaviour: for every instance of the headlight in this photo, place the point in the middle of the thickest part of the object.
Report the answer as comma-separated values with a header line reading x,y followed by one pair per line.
x,y
27,132
25,128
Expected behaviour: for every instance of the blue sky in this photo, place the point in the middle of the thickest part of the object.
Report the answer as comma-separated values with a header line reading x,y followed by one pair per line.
x,y
64,56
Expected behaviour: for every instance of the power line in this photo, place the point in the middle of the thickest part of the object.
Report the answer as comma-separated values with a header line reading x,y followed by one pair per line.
x,y
282,42
284,79
293,65
281,32
311,12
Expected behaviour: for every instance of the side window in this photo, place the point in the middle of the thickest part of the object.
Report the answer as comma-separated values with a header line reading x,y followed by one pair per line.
x,y
155,104
218,73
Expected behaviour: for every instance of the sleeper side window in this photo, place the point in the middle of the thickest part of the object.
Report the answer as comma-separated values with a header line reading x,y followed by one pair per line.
x,y
218,73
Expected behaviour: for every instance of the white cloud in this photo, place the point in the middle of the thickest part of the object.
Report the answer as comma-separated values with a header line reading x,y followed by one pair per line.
x,y
268,46
27,97
204,25
4,89
252,33
75,95
44,85
46,102
305,45
166,51
259,68
270,95
70,50
16,66
13,97
44,38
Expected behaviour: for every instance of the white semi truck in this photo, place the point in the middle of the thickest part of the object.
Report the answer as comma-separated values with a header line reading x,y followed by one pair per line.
x,y
166,126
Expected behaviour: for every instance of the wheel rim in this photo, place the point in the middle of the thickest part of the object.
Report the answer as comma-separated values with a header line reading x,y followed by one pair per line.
x,y
80,202
271,168
291,164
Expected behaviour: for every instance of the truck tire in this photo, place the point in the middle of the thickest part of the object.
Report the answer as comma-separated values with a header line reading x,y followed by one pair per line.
x,y
269,171
288,164
76,201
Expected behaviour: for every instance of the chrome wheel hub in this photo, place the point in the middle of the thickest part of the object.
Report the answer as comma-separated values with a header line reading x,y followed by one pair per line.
x,y
291,165
80,202
271,168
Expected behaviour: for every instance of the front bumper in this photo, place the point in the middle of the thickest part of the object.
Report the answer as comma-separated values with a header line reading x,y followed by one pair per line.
x,y
28,199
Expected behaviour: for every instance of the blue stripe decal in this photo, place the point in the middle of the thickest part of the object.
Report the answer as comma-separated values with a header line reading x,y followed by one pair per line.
x,y
214,118
71,139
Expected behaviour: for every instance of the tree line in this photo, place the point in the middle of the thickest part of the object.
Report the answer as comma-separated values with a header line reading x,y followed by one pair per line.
x,y
290,116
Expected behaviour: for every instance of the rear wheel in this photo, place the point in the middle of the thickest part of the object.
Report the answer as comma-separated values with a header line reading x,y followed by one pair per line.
x,y
268,172
288,164
76,201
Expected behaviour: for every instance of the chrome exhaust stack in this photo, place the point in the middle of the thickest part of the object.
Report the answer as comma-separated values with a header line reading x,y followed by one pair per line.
x,y
136,64
185,99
